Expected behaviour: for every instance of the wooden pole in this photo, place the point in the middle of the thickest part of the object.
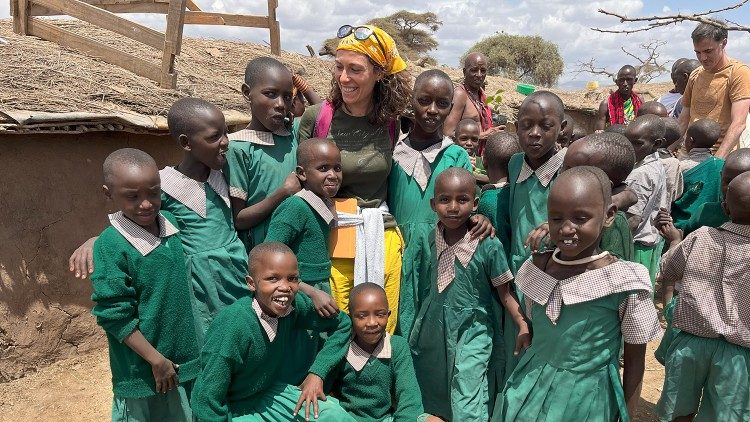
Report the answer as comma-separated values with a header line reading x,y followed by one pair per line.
x,y
273,27
172,42
21,18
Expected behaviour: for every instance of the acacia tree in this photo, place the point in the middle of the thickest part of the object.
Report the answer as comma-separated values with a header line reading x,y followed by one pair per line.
x,y
647,64
521,57
412,32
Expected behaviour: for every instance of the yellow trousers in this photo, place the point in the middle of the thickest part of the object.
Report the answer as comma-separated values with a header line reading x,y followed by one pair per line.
x,y
342,276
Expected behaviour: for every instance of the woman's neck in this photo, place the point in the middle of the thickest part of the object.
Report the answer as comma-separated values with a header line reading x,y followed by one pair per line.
x,y
193,168
357,110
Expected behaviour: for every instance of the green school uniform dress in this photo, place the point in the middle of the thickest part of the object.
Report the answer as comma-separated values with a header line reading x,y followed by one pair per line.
x,y
710,214
215,257
244,351
411,185
257,165
702,184
380,386
618,239
456,341
570,372
529,190
140,283
303,222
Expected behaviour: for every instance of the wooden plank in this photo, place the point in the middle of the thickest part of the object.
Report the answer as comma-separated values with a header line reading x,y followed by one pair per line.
x,y
172,42
192,6
106,20
23,17
49,32
210,18
157,7
273,28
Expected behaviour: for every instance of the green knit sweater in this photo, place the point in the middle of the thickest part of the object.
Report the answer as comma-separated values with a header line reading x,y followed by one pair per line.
x,y
383,387
239,362
298,226
150,293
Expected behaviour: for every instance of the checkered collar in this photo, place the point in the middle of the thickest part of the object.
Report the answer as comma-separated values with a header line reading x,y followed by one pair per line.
x,y
322,206
699,152
463,250
270,324
358,358
492,186
417,164
257,137
139,237
617,277
546,172
648,159
738,229
190,192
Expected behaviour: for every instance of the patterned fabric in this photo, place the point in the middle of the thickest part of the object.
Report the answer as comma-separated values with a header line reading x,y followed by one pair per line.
x,y
256,136
190,192
323,206
139,237
498,185
713,266
546,172
637,313
463,250
417,164
270,324
695,156
358,358
616,107
648,182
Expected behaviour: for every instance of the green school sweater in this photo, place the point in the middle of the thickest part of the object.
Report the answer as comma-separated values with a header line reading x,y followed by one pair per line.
x,y
295,224
383,387
150,293
494,204
618,239
239,362
710,214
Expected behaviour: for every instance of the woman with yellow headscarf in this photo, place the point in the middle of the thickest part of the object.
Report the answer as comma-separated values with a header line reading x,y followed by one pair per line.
x,y
369,91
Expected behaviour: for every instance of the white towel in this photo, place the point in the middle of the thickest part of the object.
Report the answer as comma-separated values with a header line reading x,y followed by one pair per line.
x,y
369,254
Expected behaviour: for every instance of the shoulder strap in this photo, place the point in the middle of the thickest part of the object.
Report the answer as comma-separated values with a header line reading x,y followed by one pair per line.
x,y
393,131
323,121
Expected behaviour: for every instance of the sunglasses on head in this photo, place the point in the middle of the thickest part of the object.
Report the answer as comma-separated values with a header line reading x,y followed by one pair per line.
x,y
361,33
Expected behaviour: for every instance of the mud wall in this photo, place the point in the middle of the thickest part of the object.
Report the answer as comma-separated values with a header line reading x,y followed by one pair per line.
x,y
50,202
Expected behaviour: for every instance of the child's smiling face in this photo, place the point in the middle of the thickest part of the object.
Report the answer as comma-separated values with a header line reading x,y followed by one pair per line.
x,y
136,191
467,136
270,100
538,127
454,201
432,102
275,280
321,172
369,313
209,143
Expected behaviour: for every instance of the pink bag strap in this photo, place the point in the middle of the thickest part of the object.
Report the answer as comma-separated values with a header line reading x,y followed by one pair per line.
x,y
325,116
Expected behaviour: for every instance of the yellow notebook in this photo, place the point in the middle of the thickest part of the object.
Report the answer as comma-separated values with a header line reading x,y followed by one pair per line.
x,y
343,239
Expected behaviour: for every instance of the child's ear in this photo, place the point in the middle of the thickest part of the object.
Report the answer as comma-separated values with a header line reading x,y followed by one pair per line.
x,y
246,92
563,125
610,216
659,142
476,204
432,204
184,142
250,283
106,191
300,171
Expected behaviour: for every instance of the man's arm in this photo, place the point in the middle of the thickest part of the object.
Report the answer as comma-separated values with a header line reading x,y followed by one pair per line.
x,y
457,112
601,116
684,119
732,137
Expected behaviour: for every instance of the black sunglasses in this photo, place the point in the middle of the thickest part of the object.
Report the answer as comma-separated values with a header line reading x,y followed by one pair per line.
x,y
361,33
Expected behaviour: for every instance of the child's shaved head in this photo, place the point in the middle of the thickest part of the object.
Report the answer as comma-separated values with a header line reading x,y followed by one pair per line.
x,y
653,126
362,289
738,199
130,157
459,175
653,107
672,131
610,152
618,129
307,148
266,248
704,133
544,99
433,74
257,67
466,123
591,176
185,113
499,148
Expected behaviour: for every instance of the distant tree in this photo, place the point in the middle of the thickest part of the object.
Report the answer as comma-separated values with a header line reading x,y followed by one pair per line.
x,y
521,57
647,64
412,32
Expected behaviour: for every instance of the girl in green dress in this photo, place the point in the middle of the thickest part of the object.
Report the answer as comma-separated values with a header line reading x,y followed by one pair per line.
x,y
583,302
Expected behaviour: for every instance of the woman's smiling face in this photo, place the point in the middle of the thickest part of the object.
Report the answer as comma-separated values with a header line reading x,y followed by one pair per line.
x,y
356,77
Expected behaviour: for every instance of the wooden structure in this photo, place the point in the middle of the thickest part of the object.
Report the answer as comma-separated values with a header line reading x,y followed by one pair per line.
x,y
103,14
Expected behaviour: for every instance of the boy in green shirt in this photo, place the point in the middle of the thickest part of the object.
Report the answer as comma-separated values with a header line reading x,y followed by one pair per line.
x,y
467,137
248,343
142,295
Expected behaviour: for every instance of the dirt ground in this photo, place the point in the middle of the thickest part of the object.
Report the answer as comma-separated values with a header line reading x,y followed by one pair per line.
x,y
79,389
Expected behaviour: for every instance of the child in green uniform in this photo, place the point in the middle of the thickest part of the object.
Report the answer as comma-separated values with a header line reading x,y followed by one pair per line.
x,y
700,171
247,344
648,181
303,222
376,380
540,120
418,159
142,296
583,302
467,137
708,363
457,328
262,158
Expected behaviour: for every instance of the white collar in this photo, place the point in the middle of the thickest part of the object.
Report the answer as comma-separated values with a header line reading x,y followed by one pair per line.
x,y
191,192
270,324
257,137
417,164
463,250
324,209
139,237
546,172
358,358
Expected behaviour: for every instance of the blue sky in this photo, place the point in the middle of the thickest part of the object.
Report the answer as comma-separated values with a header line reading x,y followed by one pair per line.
x,y
566,22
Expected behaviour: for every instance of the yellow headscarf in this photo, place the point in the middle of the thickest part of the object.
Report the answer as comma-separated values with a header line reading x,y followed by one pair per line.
x,y
389,59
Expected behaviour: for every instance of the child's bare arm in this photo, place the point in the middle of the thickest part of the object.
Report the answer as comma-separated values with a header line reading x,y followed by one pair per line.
x,y
510,302
668,231
625,199
634,221
163,369
246,218
632,378
457,112
323,302
81,261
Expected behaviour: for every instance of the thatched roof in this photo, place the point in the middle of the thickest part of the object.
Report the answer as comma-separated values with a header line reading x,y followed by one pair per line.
x,y
48,88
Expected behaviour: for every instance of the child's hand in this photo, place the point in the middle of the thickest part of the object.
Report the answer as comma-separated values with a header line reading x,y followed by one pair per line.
x,y
536,238
523,339
664,223
324,304
291,184
312,390
473,161
81,262
480,227
165,374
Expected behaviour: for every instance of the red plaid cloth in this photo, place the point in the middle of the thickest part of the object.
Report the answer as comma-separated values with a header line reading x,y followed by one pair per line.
x,y
616,107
